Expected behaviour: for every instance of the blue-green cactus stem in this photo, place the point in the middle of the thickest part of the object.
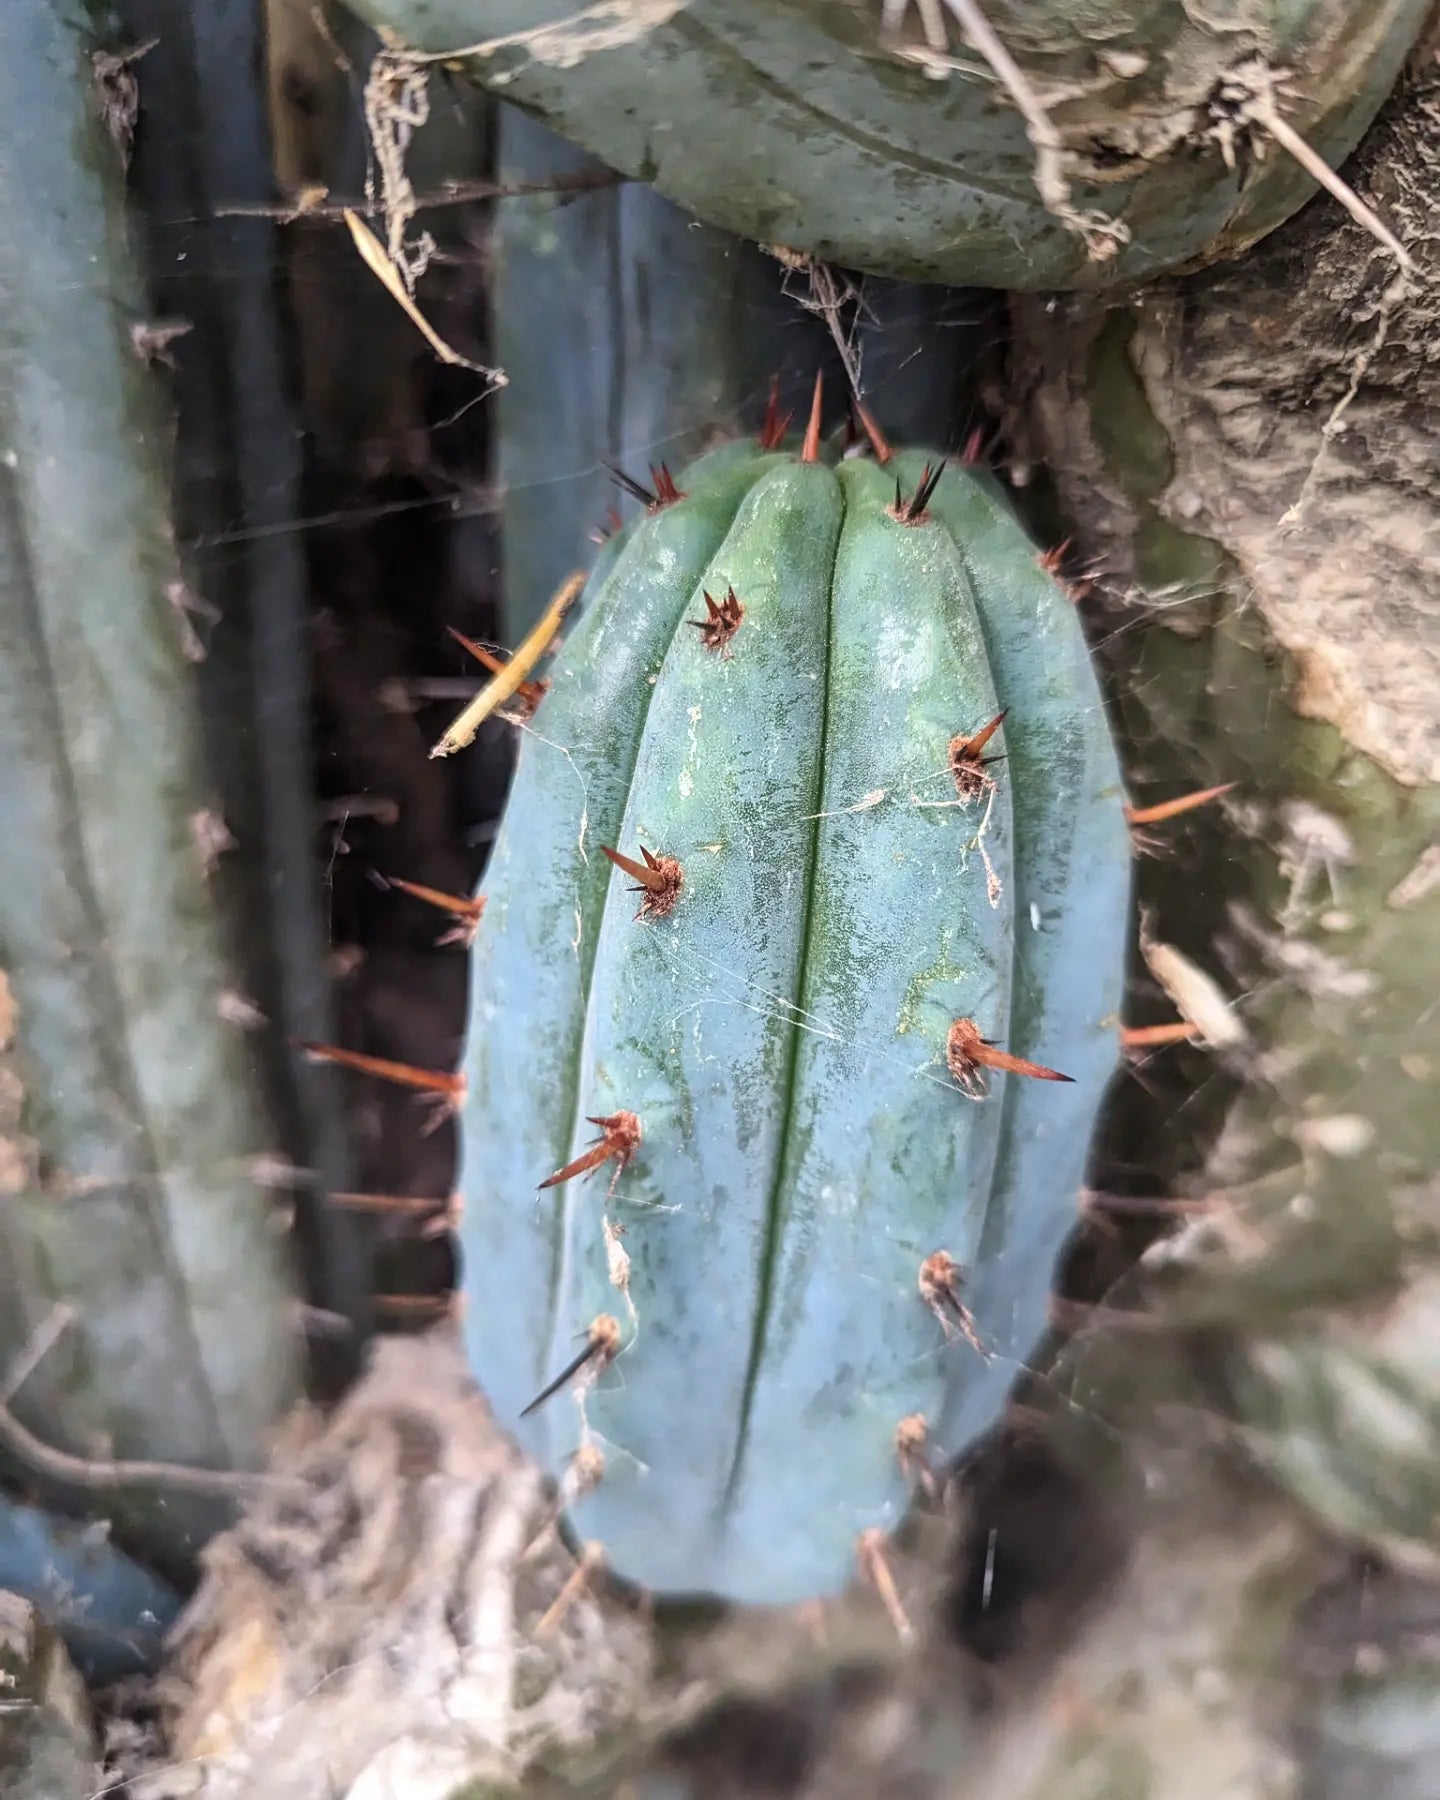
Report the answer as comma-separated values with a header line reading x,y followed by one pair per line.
x,y
827,902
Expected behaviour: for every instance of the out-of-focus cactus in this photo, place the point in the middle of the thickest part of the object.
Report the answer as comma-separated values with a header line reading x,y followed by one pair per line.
x,y
131,1119
200,171
111,1612
1267,576
1027,144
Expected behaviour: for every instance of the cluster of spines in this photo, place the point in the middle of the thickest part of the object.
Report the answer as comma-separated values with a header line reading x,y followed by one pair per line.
x,y
659,880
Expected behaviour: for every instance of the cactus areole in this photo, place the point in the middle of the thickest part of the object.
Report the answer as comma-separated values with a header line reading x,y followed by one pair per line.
x,y
792,1009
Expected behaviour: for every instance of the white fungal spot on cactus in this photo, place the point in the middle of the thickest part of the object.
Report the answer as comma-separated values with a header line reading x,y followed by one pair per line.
x,y
1315,842
1321,974
692,754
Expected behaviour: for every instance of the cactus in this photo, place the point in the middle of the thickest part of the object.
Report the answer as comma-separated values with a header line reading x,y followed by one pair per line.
x,y
628,333
805,1227
1268,625
129,1212
1040,145
111,1612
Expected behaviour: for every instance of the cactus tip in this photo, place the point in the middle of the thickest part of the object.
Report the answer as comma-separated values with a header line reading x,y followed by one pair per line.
x,y
913,511
1142,1037
602,1344
408,1206
659,878
968,1056
721,622
441,1084
940,1282
1172,809
772,431
427,1309
967,765
630,485
912,1452
879,443
810,451
467,914
664,493
620,1136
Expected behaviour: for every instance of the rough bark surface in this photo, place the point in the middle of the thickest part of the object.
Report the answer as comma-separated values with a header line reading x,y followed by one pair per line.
x,y
47,1747
373,1629
1297,390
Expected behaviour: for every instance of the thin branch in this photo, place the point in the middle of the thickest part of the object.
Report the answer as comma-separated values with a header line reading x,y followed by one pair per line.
x,y
461,731
454,193
102,1472
1265,113
390,277
1103,236
42,1341
97,1472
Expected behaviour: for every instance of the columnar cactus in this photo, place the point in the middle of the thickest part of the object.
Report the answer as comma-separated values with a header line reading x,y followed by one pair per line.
x,y
627,331
795,999
133,1235
1027,144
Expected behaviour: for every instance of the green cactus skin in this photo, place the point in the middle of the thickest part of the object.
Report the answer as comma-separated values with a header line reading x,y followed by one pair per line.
x,y
781,1034
789,121
131,1108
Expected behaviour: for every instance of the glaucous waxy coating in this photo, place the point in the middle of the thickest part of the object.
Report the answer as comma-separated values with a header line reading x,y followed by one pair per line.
x,y
779,1025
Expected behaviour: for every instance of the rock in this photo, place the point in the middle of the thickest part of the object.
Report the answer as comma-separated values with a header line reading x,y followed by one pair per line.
x,y
47,1746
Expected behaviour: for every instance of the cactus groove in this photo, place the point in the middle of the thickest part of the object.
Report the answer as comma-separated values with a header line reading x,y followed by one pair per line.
x,y
839,728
